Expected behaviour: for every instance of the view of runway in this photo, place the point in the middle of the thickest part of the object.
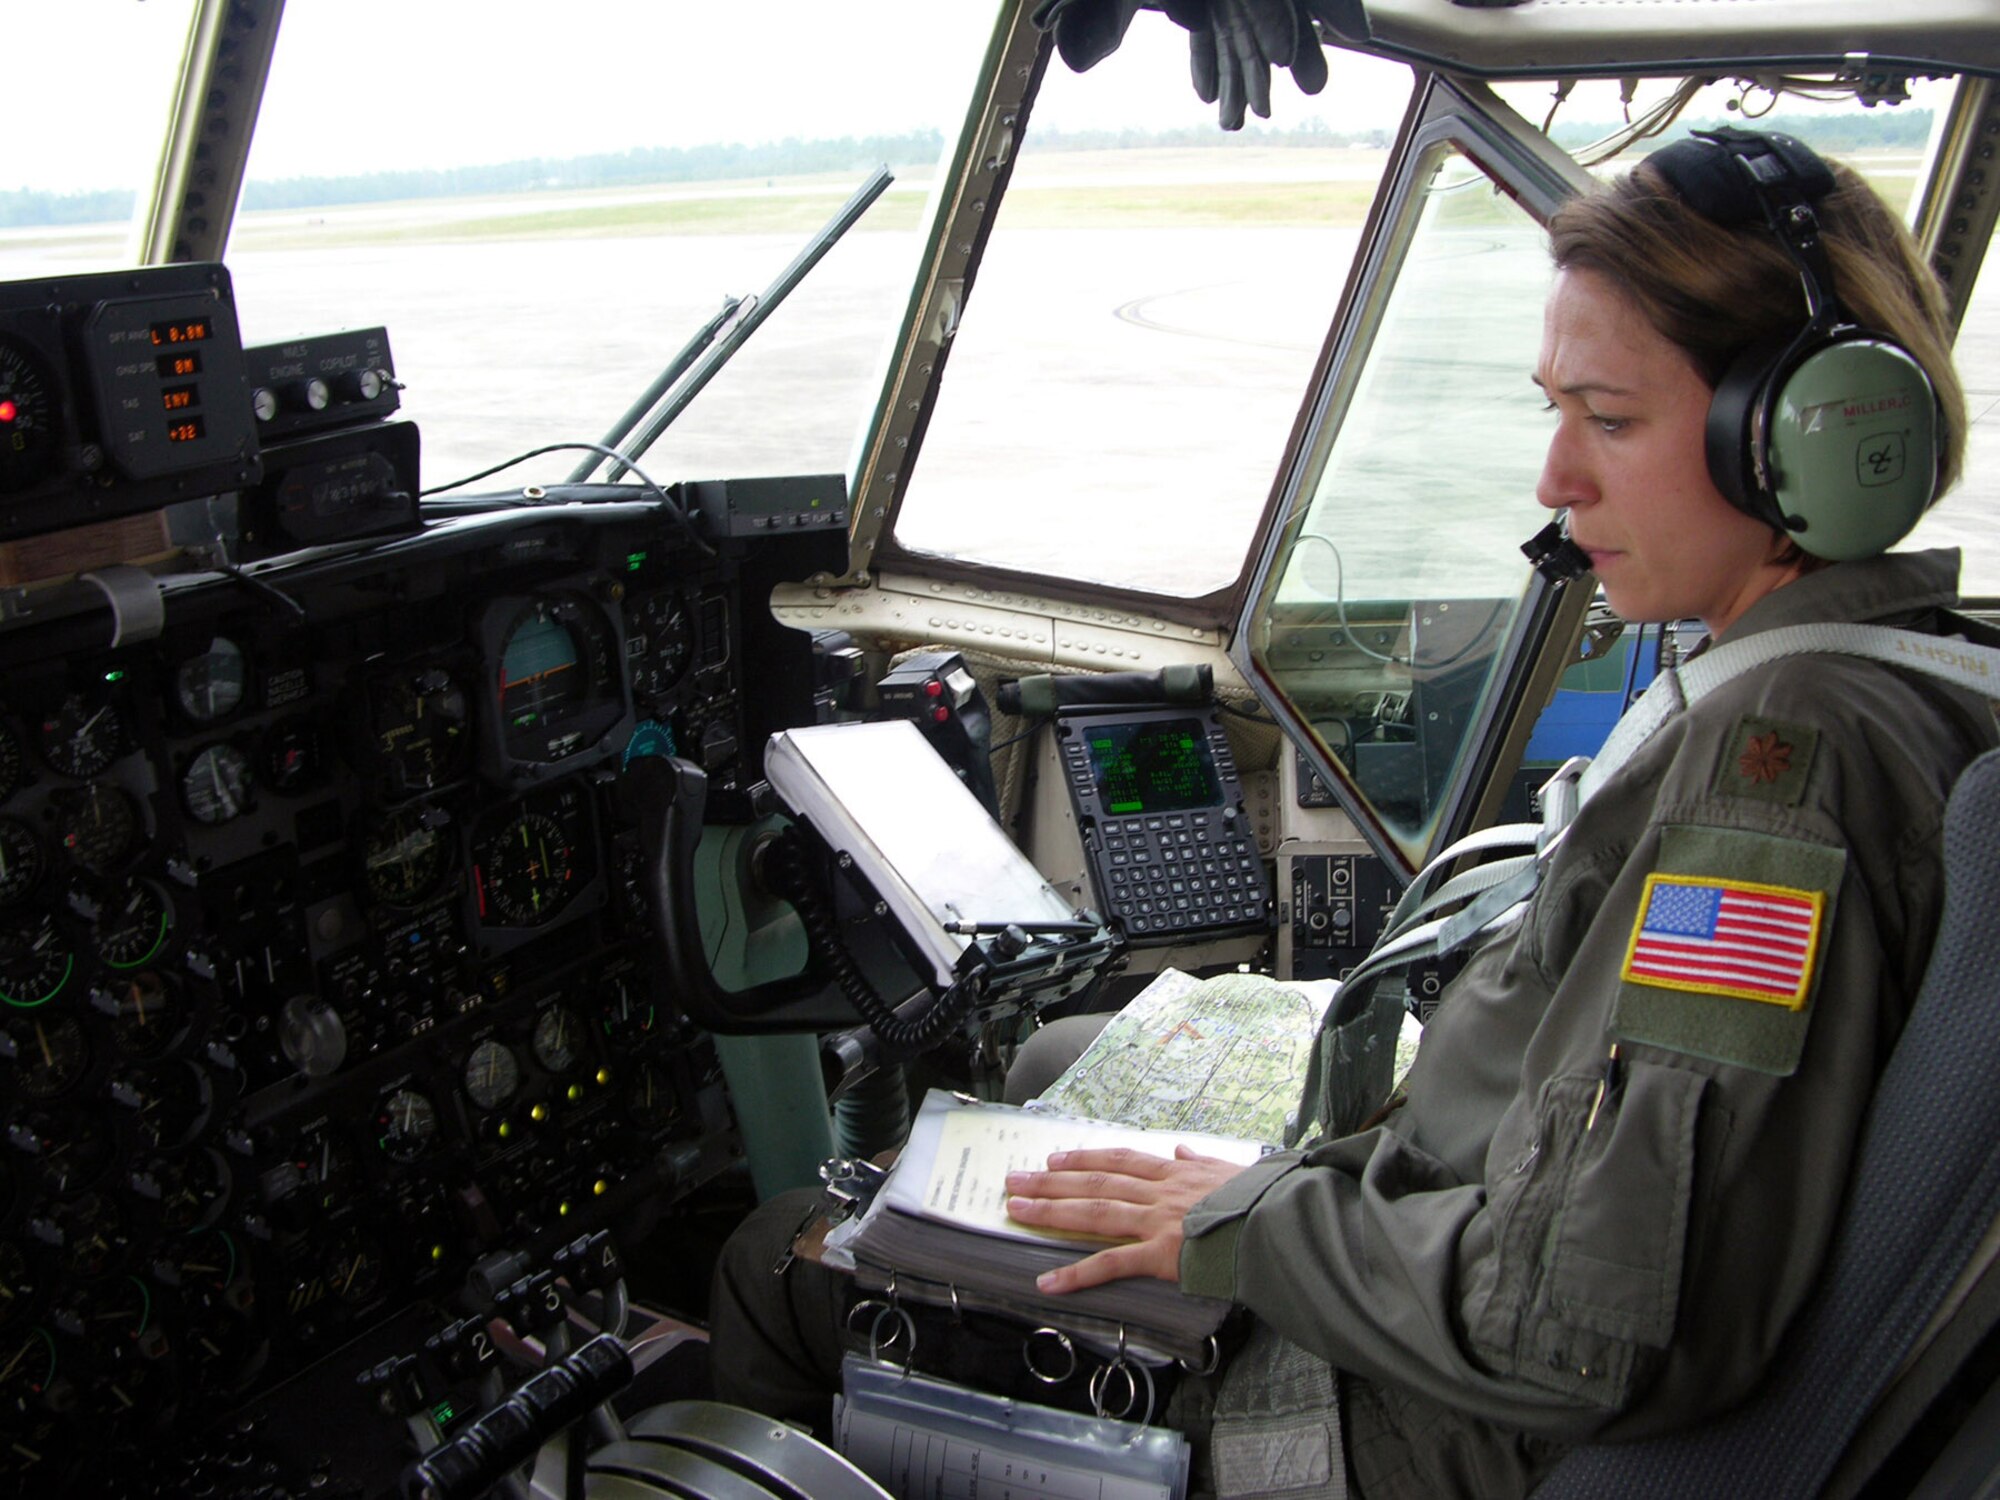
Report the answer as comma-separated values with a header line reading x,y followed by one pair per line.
x,y
1117,401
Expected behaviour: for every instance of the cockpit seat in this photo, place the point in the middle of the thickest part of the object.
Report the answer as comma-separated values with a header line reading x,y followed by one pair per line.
x,y
1909,1289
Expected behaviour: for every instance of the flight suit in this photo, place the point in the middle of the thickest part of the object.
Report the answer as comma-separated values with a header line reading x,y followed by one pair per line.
x,y
1548,1243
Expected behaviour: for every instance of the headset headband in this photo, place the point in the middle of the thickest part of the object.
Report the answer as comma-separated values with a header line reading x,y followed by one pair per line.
x,y
1736,177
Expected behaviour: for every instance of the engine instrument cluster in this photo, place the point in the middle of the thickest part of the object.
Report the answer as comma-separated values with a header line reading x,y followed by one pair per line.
x,y
323,966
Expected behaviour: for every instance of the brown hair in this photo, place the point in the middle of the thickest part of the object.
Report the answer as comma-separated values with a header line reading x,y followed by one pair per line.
x,y
1715,291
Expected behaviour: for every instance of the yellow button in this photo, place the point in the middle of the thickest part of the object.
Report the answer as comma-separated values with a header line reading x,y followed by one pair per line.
x,y
539,1112
575,1092
603,1077
600,1187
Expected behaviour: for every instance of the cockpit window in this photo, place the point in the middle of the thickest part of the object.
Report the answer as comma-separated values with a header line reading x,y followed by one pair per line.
x,y
1145,321
1964,518
1399,575
543,215
83,142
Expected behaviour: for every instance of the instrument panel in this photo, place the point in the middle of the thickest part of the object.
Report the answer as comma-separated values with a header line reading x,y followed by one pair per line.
x,y
324,967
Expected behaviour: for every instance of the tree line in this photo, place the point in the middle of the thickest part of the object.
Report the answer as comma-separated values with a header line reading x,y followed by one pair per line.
x,y
20,208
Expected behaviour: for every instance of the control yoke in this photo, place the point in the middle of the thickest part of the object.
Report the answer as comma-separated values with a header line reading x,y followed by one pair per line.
x,y
881,822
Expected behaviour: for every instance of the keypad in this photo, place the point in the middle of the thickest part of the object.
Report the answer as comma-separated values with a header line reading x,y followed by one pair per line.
x,y
1167,874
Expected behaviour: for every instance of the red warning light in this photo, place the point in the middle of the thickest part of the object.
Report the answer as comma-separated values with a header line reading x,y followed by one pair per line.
x,y
8,411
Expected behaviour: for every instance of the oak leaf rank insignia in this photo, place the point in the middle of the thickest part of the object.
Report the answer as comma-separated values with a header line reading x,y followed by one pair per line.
x,y
1766,759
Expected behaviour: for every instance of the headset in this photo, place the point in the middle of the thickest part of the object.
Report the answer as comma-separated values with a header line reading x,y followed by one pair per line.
x,y
1831,434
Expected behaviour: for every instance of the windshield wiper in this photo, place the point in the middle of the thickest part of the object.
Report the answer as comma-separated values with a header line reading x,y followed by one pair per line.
x,y
711,348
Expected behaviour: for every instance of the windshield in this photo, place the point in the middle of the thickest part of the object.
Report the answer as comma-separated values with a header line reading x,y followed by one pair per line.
x,y
1147,314
540,215
80,153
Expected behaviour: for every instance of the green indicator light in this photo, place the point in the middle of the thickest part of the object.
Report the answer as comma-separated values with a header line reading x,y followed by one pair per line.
x,y
634,561
116,674
443,1413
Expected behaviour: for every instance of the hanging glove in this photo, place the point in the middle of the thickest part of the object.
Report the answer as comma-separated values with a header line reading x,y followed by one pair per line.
x,y
1087,31
1233,45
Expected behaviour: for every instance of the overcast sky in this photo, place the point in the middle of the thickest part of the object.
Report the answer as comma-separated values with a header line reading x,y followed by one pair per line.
x,y
364,85
368,85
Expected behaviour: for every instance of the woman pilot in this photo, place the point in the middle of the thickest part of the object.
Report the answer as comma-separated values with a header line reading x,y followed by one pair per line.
x,y
1615,1169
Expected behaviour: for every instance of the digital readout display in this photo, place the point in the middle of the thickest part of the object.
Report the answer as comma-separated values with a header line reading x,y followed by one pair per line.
x,y
1161,766
187,430
177,397
182,331
175,366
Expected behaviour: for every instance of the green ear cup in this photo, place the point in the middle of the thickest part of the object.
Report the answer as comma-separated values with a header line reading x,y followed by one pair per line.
x,y
1853,448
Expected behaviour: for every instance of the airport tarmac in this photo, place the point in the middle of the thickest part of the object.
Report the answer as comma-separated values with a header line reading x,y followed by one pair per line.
x,y
1117,403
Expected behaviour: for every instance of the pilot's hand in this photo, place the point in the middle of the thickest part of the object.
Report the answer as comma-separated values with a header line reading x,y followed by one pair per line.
x,y
1120,1194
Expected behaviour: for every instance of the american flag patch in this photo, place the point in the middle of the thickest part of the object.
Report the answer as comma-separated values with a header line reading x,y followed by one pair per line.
x,y
1724,937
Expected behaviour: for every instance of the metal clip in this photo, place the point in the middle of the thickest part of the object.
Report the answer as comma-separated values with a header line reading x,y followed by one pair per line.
x,y
850,1185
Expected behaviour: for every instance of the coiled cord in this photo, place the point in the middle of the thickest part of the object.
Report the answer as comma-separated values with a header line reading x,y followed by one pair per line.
x,y
903,1036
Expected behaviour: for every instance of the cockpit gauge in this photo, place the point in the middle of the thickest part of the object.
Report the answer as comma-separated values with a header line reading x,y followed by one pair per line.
x,y
49,1053
659,642
291,756
83,735
35,962
216,785
555,1039
29,437
353,1267
97,825
27,1369
146,1010
21,862
171,1104
561,686
94,1239
652,1097
404,856
492,1074
132,924
316,1174
210,685
406,1124
71,1148
204,1265
10,761
419,721
17,1289
193,1188
630,1014
525,872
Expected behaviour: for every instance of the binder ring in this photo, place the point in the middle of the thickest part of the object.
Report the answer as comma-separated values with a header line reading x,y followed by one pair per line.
x,y
900,1327
1213,1363
1062,1342
1132,1374
873,1305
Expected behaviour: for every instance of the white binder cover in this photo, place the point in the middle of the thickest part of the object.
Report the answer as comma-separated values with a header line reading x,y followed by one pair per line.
x,y
880,794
